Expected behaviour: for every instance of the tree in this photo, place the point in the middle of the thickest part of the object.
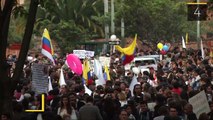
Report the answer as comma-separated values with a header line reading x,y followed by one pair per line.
x,y
155,20
7,83
70,21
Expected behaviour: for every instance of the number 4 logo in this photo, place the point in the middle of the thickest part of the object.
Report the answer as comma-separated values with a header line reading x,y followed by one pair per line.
x,y
197,12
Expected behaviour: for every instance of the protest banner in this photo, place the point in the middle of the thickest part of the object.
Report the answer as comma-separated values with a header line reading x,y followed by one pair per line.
x,y
199,103
82,54
39,79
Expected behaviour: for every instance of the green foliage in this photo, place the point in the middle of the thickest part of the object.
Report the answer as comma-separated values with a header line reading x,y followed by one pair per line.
x,y
16,30
71,21
156,20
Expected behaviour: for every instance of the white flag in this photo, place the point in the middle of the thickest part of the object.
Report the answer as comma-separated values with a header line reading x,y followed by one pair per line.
x,y
98,71
62,80
50,87
132,84
87,90
201,47
183,42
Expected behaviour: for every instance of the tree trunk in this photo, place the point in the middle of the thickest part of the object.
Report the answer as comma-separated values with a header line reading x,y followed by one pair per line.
x,y
5,88
7,85
25,42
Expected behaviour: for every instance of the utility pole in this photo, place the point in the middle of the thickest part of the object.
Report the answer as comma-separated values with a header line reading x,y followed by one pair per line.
x,y
122,30
112,17
106,10
106,26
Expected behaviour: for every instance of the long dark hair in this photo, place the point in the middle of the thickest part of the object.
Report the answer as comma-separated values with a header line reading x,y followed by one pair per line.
x,y
68,106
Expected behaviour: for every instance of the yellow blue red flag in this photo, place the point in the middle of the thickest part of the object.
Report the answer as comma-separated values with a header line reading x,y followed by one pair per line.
x,y
47,48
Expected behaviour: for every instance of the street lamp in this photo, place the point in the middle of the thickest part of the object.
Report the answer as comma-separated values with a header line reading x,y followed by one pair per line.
x,y
113,41
113,37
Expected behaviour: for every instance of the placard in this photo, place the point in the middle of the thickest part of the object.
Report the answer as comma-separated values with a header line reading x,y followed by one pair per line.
x,y
82,54
200,103
39,79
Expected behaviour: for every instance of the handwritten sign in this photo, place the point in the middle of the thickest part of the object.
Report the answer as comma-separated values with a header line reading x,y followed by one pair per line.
x,y
82,54
39,79
199,103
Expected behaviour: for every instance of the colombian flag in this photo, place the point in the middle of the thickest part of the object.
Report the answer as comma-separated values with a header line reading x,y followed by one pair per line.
x,y
128,52
47,48
86,71
106,73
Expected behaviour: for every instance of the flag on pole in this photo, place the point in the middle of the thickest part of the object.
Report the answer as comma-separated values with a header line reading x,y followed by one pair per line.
x,y
50,87
47,48
98,71
201,47
128,52
106,73
187,38
86,71
183,43
61,79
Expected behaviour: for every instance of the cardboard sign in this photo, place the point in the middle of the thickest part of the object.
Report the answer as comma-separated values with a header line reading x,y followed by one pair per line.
x,y
200,103
39,79
82,54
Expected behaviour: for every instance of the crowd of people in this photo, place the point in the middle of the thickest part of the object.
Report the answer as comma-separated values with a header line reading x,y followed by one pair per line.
x,y
181,74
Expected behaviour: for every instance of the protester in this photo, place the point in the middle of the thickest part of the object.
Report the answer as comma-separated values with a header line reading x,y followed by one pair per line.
x,y
89,111
180,75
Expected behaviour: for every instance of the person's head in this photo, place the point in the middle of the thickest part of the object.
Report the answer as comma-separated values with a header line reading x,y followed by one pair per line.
x,y
129,109
73,99
147,96
173,111
123,115
196,72
100,89
137,89
163,110
63,89
65,103
89,99
151,70
143,106
122,96
64,100
211,106
160,99
188,108
123,86
203,116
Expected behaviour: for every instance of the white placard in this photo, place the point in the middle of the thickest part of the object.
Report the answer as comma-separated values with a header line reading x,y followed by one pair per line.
x,y
199,103
82,54
104,61
89,54
79,53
